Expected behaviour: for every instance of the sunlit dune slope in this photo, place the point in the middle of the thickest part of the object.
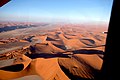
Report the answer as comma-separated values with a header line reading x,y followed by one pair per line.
x,y
42,67
91,59
79,66
45,69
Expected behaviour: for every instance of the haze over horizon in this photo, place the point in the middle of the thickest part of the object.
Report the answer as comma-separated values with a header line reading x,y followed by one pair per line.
x,y
56,10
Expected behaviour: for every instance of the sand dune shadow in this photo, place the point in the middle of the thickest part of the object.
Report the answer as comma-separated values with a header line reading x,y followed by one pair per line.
x,y
46,55
85,51
88,42
13,68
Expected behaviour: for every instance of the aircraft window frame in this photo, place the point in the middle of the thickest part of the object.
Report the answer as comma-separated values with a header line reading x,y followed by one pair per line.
x,y
108,62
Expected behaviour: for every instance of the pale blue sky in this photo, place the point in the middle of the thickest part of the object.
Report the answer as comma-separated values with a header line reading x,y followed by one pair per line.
x,y
56,10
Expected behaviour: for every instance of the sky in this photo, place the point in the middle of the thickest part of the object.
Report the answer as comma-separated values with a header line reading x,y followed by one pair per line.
x,y
56,10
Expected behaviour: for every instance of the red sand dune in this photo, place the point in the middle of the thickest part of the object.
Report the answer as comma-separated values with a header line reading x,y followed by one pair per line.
x,y
47,71
82,65
73,44
75,68
42,67
47,48
71,52
93,60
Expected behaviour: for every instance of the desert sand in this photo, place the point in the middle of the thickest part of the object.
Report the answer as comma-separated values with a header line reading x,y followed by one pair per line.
x,y
52,52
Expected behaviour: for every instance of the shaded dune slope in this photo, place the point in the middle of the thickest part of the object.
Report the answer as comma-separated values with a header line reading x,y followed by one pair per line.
x,y
81,66
16,64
